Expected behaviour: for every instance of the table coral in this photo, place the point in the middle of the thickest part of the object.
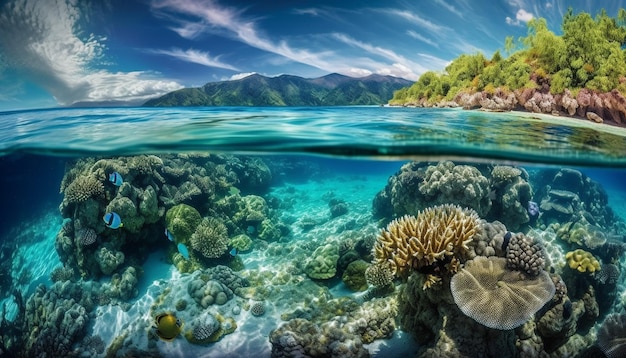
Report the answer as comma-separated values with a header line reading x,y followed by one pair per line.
x,y
440,234
513,297
582,261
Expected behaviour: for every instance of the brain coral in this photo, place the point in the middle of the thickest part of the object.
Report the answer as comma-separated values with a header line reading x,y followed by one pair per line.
x,y
434,235
210,238
496,297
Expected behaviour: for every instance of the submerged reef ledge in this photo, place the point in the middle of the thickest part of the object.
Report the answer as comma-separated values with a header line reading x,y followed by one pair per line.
x,y
608,107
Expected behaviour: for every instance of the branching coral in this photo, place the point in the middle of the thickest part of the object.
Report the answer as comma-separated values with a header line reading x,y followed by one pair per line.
x,y
496,297
440,234
210,238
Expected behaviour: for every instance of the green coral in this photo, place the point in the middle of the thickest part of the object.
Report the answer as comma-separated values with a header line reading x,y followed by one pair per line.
x,y
323,263
582,261
241,242
181,221
354,275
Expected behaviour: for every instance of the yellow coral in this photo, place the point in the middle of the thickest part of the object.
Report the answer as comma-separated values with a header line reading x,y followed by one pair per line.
x,y
582,261
435,234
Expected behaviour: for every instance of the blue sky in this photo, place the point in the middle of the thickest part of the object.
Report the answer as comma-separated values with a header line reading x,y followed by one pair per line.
x,y
59,52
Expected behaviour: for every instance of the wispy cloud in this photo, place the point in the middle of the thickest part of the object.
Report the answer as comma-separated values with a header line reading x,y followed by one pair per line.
x,y
210,16
434,61
424,39
400,66
194,56
239,76
449,7
42,40
417,20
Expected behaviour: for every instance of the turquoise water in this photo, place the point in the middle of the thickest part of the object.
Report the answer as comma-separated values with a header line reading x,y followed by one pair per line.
x,y
302,194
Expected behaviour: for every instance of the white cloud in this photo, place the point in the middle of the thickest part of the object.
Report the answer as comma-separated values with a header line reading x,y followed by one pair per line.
x,y
522,16
194,56
42,40
424,39
239,76
418,20
434,61
449,7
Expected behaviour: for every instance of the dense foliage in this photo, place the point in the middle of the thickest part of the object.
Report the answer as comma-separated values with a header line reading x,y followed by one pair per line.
x,y
286,90
589,54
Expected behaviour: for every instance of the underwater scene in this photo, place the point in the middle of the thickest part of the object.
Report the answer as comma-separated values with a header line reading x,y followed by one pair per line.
x,y
310,232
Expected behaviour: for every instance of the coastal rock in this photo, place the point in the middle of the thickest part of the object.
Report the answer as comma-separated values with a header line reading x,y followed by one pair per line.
x,y
594,117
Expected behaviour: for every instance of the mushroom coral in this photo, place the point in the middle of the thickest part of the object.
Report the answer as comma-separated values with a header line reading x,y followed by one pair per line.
x,y
496,297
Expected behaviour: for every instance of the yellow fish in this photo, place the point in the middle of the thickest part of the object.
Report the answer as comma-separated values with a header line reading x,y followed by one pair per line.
x,y
168,326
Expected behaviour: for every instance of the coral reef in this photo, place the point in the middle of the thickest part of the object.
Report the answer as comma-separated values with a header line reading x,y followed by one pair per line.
x,y
512,194
109,260
83,188
241,242
513,297
182,220
257,308
354,275
438,235
206,293
379,275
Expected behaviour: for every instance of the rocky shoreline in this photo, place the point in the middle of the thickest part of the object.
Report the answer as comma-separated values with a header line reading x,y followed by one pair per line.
x,y
608,107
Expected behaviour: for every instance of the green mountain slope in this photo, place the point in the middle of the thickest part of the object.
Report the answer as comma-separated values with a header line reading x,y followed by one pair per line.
x,y
285,90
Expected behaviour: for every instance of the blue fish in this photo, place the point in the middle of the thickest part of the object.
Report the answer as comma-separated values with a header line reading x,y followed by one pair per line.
x,y
533,209
112,220
116,178
169,235
183,251
233,252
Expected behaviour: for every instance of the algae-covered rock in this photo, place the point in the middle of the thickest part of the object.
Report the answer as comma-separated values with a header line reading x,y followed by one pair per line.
x,y
354,276
182,220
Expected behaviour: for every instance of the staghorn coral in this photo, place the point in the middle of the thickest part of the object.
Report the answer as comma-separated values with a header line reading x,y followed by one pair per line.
x,y
83,188
612,336
210,238
525,254
440,234
496,297
582,261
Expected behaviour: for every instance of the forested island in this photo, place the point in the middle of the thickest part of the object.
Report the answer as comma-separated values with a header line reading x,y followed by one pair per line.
x,y
581,73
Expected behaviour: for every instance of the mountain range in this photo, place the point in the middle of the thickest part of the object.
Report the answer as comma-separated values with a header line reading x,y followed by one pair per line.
x,y
286,90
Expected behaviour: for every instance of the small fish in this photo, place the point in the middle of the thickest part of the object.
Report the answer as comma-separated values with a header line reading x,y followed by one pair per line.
x,y
112,220
116,178
233,252
567,309
505,242
169,235
533,209
183,251
168,326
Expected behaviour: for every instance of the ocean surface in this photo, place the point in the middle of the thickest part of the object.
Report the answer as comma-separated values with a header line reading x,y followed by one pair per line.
x,y
283,232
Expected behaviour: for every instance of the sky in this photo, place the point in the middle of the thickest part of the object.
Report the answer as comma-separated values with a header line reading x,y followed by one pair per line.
x,y
62,52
